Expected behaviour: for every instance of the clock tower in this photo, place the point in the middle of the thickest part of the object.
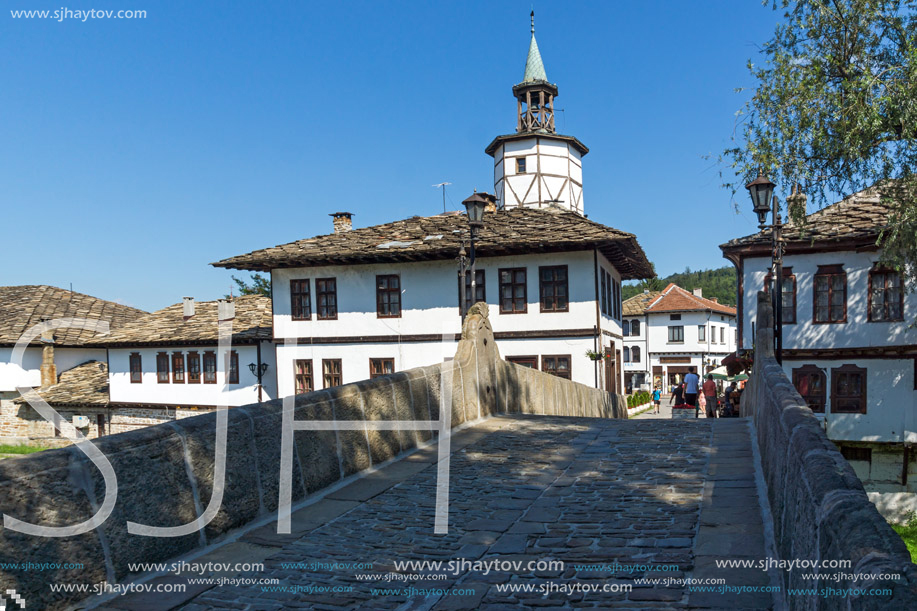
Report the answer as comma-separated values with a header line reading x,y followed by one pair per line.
x,y
536,166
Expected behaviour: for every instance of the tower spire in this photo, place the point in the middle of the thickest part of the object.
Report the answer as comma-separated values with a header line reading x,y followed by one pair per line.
x,y
533,22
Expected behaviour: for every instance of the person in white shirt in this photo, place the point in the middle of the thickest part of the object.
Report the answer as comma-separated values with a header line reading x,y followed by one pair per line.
x,y
692,381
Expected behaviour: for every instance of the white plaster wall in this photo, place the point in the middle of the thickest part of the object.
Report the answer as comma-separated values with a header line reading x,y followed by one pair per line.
x,y
891,401
583,369
154,393
29,374
429,298
544,157
857,332
659,333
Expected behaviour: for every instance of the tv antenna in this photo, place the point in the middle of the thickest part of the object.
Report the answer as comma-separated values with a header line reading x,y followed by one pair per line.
x,y
443,185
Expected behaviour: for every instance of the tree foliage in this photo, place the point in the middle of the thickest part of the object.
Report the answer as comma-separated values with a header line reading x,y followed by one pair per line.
x,y
719,283
835,110
256,285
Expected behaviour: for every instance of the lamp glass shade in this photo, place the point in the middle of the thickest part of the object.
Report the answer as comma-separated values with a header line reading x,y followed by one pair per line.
x,y
253,368
761,190
474,206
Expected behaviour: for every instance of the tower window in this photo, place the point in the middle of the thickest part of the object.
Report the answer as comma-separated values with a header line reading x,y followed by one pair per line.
x,y
520,165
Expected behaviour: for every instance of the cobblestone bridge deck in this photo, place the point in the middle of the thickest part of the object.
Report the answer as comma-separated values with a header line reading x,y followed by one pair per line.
x,y
584,491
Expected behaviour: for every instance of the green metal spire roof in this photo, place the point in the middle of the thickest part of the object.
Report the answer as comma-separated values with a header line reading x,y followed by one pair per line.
x,y
534,67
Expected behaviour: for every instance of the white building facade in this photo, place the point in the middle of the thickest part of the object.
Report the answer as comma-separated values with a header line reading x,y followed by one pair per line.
x,y
667,333
360,303
848,346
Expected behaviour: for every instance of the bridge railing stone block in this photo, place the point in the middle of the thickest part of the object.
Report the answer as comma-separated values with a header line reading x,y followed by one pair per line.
x,y
819,507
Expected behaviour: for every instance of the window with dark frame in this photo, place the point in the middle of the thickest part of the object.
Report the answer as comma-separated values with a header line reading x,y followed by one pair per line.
x,y
635,354
210,368
513,291
136,368
811,383
162,368
615,299
301,299
558,365
604,295
302,376
381,367
625,328
178,368
479,288
331,372
848,390
635,327
674,316
526,361
701,333
676,334
388,296
233,367
194,368
553,287
520,165
609,293
626,354
857,453
788,295
886,299
830,303
326,298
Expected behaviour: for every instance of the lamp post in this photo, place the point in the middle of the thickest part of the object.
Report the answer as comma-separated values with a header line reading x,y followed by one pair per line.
x,y
258,371
474,207
761,191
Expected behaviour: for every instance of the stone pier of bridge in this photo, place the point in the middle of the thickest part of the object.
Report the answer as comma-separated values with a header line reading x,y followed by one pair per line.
x,y
620,503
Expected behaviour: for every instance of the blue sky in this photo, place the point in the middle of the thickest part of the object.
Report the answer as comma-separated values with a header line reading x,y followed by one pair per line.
x,y
135,152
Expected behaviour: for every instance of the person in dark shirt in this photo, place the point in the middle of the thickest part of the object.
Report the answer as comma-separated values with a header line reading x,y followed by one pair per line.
x,y
677,395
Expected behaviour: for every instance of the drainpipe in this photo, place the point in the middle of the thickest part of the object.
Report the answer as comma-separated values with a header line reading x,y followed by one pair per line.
x,y
258,345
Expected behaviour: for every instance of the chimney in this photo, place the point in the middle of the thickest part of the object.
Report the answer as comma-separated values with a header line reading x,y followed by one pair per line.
x,y
717,299
226,310
491,205
187,307
342,221
646,291
48,369
698,292
796,202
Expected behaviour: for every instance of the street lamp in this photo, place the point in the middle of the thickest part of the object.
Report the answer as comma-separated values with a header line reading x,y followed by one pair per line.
x,y
474,207
761,191
259,373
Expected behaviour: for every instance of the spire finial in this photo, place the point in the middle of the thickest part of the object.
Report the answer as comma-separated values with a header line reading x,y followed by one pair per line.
x,y
533,22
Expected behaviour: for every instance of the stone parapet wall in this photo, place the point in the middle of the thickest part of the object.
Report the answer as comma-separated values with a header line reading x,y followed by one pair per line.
x,y
165,473
820,509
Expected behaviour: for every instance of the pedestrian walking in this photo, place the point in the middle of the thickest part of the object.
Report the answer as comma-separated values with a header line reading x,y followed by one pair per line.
x,y
657,398
709,389
692,384
676,397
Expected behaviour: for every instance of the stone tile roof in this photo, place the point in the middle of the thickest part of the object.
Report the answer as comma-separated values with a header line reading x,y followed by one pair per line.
x,y
861,216
168,327
517,231
636,305
676,299
85,384
22,307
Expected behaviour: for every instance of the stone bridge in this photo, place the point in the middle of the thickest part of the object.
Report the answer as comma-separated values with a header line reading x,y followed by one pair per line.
x,y
576,505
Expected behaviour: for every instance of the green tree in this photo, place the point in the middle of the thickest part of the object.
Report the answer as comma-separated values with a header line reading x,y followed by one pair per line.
x,y
257,285
835,110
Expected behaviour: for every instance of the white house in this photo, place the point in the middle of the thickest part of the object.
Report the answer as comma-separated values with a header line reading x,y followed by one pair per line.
x,y
667,332
847,341
364,302
48,358
164,366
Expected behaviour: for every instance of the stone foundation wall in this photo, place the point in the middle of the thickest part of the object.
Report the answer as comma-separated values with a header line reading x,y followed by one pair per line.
x,y
820,509
165,472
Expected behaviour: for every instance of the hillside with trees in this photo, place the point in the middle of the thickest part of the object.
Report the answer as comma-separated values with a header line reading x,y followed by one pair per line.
x,y
719,283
